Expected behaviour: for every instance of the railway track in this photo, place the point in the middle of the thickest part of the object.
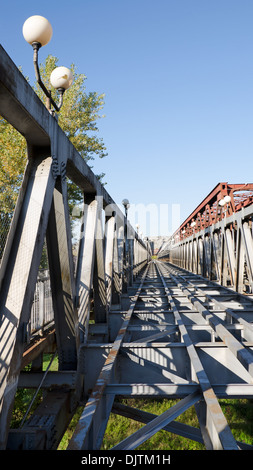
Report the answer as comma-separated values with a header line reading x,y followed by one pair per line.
x,y
183,338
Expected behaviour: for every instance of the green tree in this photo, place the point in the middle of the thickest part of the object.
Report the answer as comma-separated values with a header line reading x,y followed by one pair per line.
x,y
78,118
79,113
12,164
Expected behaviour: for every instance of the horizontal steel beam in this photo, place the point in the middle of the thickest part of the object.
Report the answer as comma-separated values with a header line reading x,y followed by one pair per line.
x,y
45,428
35,349
175,391
157,423
65,379
175,427
81,438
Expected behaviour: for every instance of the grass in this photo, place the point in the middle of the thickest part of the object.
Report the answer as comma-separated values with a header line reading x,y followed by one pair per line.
x,y
119,427
239,414
69,432
24,396
46,361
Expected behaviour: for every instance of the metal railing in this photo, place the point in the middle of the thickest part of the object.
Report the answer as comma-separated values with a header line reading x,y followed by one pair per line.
x,y
217,245
110,254
42,313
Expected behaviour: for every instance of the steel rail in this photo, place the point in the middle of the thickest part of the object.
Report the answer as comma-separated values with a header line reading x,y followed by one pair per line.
x,y
82,438
158,423
235,346
219,304
217,434
222,251
41,214
215,431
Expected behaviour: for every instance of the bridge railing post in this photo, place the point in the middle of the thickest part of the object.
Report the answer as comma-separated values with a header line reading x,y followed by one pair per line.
x,y
109,251
61,268
99,281
42,212
16,296
85,264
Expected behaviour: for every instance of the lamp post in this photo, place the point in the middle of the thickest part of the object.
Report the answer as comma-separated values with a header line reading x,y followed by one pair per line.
x,y
37,31
126,277
223,202
126,205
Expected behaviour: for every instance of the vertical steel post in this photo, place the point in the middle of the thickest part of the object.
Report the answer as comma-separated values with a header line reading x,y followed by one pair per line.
x,y
61,268
85,265
18,286
99,285
109,246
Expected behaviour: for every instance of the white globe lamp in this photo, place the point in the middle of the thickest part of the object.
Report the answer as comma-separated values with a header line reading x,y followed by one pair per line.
x,y
61,77
37,29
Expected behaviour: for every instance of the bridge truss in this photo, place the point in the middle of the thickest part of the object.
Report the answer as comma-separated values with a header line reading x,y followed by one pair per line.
x,y
110,256
124,325
216,239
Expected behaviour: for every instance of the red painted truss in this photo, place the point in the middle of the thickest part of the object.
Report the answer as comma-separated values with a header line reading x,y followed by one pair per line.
x,y
224,200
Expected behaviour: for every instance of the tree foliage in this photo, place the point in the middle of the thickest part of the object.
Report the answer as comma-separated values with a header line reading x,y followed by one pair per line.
x,y
79,113
78,118
12,164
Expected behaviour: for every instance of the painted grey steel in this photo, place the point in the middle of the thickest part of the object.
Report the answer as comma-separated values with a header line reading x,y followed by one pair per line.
x,y
87,433
157,423
123,324
217,434
222,252
42,314
42,214
175,369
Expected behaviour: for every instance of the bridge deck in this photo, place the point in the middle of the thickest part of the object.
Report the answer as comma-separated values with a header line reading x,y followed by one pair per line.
x,y
182,337
158,330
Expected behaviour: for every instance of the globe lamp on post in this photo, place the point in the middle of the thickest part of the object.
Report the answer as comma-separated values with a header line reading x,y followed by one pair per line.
x,y
126,204
38,32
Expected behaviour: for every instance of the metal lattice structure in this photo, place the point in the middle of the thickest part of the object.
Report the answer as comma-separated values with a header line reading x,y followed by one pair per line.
x,y
216,240
176,342
123,325
110,256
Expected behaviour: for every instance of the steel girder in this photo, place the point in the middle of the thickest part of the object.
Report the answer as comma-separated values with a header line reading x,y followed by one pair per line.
x,y
223,201
176,344
150,337
222,252
41,214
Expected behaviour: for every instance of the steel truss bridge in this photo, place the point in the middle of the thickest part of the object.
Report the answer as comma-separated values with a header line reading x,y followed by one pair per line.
x,y
123,325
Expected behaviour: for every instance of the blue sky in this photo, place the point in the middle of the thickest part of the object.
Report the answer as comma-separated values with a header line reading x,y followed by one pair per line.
x,y
178,82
